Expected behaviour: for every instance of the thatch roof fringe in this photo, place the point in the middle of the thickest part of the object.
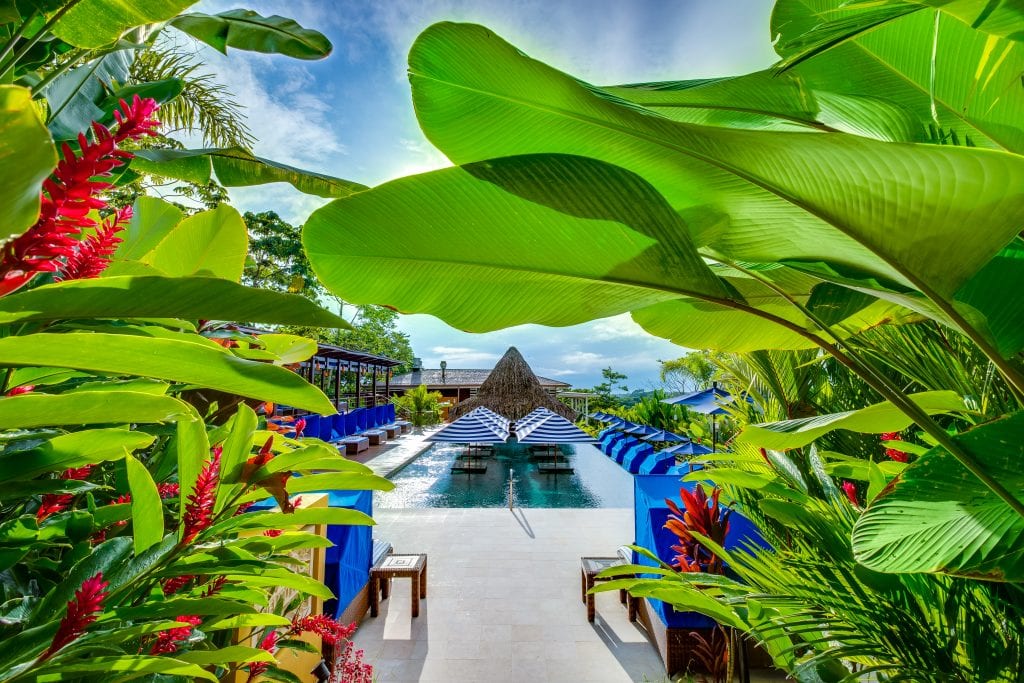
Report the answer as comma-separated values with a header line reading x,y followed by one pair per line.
x,y
512,390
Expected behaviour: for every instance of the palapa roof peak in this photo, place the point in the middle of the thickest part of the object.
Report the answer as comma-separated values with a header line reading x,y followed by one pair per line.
x,y
512,390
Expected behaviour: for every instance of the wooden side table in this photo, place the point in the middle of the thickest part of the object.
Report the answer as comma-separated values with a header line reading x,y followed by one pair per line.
x,y
590,567
412,567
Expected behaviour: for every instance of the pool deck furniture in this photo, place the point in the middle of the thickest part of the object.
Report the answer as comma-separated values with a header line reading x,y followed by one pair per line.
x,y
590,567
413,567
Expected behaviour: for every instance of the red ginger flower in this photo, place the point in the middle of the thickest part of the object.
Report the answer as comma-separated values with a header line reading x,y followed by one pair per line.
x,y
51,504
850,489
24,389
299,425
167,641
332,632
92,255
350,668
171,490
82,611
269,643
68,198
215,586
198,514
892,453
174,584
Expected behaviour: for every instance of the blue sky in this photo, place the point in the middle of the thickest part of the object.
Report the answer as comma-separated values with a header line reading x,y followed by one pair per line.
x,y
351,115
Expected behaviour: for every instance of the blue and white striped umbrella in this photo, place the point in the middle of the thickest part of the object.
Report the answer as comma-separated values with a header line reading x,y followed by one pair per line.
x,y
471,428
552,428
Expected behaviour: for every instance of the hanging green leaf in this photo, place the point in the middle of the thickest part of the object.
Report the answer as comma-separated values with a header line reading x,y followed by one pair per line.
x,y
172,360
874,419
27,157
244,29
66,451
938,517
209,243
236,167
195,298
89,407
147,508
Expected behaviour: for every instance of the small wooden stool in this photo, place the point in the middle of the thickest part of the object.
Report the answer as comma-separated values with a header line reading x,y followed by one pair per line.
x,y
397,567
590,567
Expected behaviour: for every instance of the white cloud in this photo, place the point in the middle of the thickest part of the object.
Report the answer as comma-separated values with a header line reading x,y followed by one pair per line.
x,y
617,327
584,359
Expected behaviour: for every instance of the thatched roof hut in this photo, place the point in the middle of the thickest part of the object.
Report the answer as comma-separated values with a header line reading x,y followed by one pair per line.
x,y
512,390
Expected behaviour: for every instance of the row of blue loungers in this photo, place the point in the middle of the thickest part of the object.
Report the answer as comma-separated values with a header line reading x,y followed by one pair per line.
x,y
636,456
357,429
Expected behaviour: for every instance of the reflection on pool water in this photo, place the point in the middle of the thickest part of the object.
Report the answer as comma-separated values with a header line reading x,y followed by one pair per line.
x,y
429,482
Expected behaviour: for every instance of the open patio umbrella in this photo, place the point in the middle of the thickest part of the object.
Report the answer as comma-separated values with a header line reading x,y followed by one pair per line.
x,y
623,425
709,402
471,428
689,448
552,429
641,430
662,436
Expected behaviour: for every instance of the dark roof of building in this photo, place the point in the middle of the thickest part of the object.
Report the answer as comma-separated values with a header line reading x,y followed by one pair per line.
x,y
454,378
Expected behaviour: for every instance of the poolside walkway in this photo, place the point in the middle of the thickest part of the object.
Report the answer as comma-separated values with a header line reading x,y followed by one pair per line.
x,y
504,600
393,455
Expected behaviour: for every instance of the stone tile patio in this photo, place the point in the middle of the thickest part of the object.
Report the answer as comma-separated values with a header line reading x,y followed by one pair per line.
x,y
504,600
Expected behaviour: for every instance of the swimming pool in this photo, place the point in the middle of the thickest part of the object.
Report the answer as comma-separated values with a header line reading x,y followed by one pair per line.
x,y
428,482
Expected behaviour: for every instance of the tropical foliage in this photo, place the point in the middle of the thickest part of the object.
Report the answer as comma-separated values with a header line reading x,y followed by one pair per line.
x,y
814,218
129,444
421,406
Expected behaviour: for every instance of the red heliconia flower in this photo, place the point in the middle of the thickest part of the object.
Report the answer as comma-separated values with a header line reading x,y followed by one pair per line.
x,y
331,631
81,612
167,641
850,489
894,454
69,195
198,514
711,522
269,643
92,255
170,490
174,584
24,389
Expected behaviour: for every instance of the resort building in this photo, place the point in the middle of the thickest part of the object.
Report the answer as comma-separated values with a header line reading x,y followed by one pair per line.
x,y
457,385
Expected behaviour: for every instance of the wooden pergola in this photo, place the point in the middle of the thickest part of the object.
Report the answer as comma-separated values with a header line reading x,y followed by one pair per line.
x,y
325,370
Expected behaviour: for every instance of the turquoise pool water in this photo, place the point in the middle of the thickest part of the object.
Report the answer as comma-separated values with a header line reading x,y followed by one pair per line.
x,y
429,482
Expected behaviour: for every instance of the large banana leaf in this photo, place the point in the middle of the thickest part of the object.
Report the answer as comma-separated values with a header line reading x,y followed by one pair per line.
x,y
766,100
970,87
208,243
26,158
168,359
243,29
774,196
193,298
95,23
550,239
937,517
874,419
89,407
236,167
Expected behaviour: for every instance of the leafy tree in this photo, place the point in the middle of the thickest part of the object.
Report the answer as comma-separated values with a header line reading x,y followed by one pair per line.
x,y
276,259
606,391
375,330
689,373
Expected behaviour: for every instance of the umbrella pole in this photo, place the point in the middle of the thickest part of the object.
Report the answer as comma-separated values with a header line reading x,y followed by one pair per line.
x,y
714,433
